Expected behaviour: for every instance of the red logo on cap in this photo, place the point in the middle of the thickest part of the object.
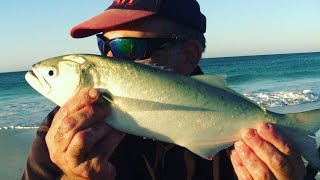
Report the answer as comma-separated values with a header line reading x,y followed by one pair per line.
x,y
122,2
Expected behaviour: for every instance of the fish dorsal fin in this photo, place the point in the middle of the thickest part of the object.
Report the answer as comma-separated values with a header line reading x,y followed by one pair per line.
x,y
219,80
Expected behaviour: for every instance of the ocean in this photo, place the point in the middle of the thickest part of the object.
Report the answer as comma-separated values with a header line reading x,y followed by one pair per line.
x,y
269,80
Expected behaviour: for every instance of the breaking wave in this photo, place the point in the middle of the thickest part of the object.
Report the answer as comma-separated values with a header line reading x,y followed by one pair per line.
x,y
281,98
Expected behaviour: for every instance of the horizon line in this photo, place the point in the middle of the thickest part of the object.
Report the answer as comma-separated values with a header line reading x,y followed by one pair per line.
x,y
254,55
206,58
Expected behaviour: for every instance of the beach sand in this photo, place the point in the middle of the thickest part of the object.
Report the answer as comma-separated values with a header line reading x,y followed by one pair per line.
x,y
14,150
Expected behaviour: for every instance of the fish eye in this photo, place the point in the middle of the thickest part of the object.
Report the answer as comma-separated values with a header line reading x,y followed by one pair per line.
x,y
51,73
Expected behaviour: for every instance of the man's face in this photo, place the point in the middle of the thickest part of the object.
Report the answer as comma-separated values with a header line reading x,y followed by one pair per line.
x,y
172,57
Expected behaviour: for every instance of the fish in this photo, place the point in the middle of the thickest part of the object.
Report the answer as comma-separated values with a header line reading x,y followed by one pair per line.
x,y
200,113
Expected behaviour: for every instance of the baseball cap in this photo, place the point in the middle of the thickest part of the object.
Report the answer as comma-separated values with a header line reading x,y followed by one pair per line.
x,y
120,12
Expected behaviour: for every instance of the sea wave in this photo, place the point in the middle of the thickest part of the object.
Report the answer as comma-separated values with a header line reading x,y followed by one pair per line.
x,y
281,98
289,76
23,112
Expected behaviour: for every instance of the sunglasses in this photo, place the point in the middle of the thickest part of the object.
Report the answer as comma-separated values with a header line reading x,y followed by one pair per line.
x,y
131,48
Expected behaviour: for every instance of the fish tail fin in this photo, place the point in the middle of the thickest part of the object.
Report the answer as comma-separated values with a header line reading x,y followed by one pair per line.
x,y
308,138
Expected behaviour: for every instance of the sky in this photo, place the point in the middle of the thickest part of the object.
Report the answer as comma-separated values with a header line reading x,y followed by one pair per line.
x,y
34,30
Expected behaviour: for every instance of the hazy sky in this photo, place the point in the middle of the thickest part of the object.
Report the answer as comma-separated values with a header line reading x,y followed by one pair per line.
x,y
34,30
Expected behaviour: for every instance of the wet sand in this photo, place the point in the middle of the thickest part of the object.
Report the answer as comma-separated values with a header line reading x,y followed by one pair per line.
x,y
14,150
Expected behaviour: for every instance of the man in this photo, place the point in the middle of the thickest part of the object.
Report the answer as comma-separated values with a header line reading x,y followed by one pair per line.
x,y
75,143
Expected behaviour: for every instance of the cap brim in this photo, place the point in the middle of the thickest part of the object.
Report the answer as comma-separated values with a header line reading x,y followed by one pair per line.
x,y
107,19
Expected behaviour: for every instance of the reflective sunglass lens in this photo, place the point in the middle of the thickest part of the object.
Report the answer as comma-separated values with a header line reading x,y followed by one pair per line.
x,y
131,49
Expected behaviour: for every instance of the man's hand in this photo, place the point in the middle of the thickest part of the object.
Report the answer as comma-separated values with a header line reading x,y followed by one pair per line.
x,y
266,154
79,141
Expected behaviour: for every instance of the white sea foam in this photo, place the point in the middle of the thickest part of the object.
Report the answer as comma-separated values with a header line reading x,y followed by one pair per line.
x,y
280,98
18,127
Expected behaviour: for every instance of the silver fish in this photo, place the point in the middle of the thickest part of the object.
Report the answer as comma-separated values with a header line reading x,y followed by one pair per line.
x,y
200,113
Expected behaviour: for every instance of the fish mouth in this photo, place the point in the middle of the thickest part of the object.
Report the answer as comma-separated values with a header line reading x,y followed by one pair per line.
x,y
36,81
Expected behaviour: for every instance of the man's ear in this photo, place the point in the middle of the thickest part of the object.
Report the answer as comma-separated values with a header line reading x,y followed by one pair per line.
x,y
190,56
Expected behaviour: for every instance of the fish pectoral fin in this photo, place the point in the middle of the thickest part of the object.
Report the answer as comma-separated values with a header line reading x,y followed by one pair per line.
x,y
106,95
208,152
